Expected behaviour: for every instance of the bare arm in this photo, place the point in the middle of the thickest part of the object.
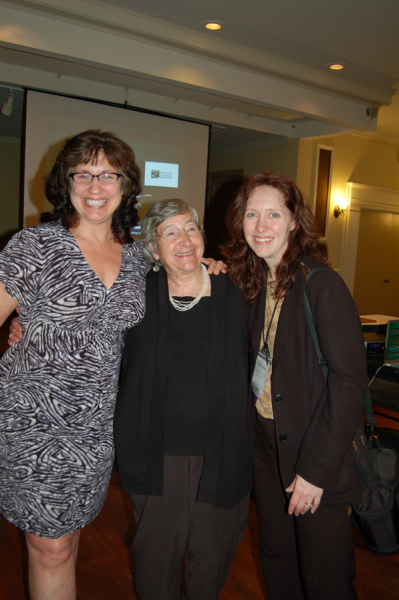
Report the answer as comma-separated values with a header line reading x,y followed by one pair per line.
x,y
7,303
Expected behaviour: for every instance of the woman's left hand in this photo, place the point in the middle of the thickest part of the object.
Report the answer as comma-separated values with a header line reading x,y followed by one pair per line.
x,y
305,496
215,266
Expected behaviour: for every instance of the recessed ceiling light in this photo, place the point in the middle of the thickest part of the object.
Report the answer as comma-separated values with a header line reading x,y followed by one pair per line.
x,y
336,66
213,25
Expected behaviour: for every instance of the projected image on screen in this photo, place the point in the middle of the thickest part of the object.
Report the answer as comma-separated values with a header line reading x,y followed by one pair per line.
x,y
171,154
161,174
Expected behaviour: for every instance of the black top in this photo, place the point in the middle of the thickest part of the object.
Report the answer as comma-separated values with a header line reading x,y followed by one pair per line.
x,y
147,362
186,406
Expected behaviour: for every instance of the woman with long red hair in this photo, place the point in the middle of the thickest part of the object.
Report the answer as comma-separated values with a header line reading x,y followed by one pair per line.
x,y
301,425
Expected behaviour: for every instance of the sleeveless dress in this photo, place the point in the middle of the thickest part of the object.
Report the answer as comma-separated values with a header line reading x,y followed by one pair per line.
x,y
58,384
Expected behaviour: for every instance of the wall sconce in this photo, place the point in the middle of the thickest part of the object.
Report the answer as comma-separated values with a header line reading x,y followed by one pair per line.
x,y
8,106
340,209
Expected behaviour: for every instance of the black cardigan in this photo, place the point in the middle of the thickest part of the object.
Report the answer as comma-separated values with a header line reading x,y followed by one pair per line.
x,y
146,364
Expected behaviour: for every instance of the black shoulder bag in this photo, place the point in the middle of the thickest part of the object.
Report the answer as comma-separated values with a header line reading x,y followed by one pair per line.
x,y
377,514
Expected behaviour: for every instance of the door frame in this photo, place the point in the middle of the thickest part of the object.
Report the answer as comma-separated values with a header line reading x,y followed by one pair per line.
x,y
324,237
362,197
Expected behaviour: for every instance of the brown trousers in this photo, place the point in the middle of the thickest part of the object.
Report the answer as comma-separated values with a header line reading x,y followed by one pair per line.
x,y
309,557
176,526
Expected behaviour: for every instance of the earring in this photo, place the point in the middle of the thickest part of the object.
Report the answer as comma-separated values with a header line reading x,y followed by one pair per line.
x,y
156,266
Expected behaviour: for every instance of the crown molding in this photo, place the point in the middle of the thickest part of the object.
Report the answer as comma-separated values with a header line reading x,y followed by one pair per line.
x,y
388,136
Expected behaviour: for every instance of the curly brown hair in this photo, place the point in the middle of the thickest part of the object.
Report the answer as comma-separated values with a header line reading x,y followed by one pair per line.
x,y
82,149
247,270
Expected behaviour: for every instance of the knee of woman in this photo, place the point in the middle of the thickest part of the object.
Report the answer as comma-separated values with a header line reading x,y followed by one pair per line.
x,y
50,553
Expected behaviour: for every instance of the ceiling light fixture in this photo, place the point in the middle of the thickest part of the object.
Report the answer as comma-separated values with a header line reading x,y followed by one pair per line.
x,y
8,106
214,26
336,66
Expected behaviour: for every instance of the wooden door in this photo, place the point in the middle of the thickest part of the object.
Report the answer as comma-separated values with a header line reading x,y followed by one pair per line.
x,y
376,288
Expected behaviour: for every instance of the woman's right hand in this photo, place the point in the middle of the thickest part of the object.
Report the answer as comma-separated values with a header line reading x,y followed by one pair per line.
x,y
15,334
305,495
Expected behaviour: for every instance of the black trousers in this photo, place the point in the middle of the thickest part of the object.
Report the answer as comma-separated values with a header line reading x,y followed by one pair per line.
x,y
306,557
176,526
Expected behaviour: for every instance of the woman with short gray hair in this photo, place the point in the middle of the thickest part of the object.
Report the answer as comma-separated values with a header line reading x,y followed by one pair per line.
x,y
181,435
159,213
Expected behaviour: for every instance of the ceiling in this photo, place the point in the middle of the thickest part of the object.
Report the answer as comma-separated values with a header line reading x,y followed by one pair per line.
x,y
286,41
361,33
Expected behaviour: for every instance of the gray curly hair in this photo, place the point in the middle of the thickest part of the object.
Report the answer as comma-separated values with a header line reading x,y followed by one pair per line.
x,y
165,209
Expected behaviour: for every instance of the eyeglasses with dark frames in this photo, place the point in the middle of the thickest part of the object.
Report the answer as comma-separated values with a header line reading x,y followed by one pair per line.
x,y
104,178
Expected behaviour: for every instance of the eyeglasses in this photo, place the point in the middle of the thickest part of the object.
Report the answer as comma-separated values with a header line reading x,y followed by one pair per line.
x,y
171,234
104,178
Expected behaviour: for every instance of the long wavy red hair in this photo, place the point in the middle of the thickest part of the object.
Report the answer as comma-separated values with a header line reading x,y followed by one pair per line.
x,y
247,270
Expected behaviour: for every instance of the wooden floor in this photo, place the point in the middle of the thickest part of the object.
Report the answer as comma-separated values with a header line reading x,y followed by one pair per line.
x,y
105,566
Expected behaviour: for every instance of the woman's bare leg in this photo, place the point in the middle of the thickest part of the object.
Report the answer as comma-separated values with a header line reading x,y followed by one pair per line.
x,y
52,567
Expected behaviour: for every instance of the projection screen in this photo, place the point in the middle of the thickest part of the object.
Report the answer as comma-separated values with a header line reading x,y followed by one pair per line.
x,y
172,154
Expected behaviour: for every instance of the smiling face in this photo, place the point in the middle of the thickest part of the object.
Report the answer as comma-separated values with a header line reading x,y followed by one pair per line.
x,y
96,202
267,225
181,256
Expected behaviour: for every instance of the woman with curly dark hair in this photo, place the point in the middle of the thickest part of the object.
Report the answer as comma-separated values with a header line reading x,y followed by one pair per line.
x,y
89,147
301,426
79,283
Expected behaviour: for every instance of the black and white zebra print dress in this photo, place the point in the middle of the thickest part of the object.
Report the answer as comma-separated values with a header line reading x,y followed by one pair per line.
x,y
58,384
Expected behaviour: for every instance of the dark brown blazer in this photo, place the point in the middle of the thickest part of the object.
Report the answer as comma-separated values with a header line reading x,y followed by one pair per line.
x,y
316,421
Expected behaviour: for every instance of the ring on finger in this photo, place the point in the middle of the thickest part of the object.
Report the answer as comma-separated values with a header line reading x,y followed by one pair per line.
x,y
310,504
